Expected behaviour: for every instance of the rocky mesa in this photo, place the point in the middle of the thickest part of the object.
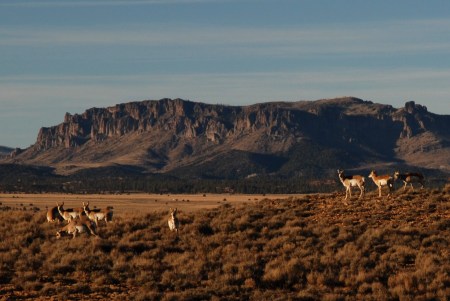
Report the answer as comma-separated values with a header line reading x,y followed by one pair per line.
x,y
190,138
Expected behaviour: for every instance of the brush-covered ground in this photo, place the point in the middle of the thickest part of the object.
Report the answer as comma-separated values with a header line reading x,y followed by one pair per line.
x,y
311,247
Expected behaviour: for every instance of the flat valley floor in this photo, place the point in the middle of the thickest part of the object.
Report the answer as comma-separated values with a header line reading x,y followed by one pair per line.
x,y
135,202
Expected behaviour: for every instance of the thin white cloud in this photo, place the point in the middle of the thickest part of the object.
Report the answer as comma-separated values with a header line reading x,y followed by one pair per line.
x,y
90,3
366,39
237,88
335,75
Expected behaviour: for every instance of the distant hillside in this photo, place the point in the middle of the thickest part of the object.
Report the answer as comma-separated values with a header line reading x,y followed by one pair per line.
x,y
5,150
308,139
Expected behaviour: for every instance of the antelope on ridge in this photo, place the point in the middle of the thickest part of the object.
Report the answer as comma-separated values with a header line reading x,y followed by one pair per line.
x,y
383,180
82,225
350,181
96,215
173,220
410,178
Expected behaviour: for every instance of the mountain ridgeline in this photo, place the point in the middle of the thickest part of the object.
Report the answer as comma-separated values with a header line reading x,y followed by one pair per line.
x,y
191,140
5,150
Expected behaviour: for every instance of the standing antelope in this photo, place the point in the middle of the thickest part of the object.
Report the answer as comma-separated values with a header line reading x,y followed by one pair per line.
x,y
383,180
173,220
53,215
68,214
82,225
98,215
409,178
351,181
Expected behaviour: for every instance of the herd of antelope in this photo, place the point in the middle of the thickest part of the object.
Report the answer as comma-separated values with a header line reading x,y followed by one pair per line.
x,y
86,220
79,220
350,181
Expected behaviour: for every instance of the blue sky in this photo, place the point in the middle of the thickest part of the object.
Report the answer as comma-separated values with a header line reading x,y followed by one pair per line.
x,y
59,56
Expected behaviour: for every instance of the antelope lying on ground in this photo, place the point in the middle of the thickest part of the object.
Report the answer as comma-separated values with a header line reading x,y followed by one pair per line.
x,y
97,214
383,180
409,178
82,225
53,215
173,220
351,181
68,214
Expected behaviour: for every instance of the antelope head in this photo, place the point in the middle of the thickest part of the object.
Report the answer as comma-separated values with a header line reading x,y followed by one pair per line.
x,y
60,207
86,208
173,212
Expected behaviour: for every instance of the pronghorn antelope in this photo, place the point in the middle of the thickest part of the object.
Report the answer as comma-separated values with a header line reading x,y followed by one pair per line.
x,y
409,178
351,181
82,225
383,180
68,214
173,220
53,215
98,215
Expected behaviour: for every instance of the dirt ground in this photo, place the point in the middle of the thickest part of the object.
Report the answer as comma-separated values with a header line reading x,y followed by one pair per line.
x,y
131,203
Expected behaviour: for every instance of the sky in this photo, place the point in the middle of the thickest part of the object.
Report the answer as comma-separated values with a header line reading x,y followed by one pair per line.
x,y
59,56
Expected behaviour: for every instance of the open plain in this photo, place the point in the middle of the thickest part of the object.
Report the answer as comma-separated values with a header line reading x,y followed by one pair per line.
x,y
134,202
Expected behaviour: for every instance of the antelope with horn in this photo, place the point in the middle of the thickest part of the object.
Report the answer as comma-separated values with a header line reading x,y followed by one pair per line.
x,y
82,225
96,215
383,180
68,214
173,220
410,178
351,181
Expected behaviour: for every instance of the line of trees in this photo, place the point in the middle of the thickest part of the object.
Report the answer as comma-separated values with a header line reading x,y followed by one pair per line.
x,y
164,185
17,178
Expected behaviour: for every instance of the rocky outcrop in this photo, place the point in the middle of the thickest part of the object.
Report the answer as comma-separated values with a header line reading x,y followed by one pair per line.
x,y
413,117
167,133
184,118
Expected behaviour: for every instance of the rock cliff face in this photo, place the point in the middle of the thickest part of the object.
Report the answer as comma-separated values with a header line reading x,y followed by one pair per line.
x,y
184,119
167,134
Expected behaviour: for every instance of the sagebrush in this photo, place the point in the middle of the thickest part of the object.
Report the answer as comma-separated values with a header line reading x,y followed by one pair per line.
x,y
308,248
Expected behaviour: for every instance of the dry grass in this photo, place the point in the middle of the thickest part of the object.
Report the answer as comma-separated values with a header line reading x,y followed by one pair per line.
x,y
309,247
132,203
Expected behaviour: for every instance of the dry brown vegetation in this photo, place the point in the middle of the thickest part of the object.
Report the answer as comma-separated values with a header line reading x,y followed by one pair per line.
x,y
131,203
309,247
